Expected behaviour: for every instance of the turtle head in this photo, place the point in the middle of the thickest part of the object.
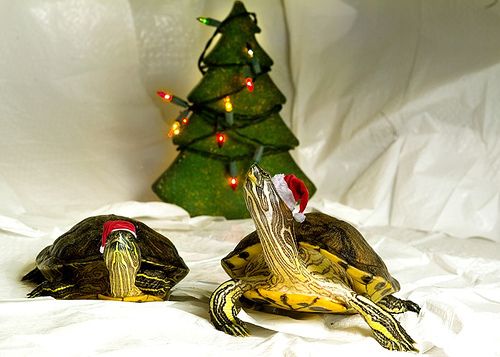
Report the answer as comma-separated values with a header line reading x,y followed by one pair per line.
x,y
274,223
261,197
120,240
122,243
122,257
119,233
256,176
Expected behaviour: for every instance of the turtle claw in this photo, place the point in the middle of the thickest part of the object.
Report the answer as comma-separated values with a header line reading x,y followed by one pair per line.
x,y
411,306
35,293
395,305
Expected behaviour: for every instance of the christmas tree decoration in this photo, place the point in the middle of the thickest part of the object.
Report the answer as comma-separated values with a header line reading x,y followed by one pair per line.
x,y
233,182
234,121
229,111
258,154
233,175
208,21
175,129
173,99
249,84
253,60
167,96
221,139
184,116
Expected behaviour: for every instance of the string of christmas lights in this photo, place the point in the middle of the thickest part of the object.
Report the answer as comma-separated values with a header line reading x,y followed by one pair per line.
x,y
229,119
220,126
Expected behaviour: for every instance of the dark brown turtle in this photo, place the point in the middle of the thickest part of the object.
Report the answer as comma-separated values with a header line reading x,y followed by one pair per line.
x,y
136,264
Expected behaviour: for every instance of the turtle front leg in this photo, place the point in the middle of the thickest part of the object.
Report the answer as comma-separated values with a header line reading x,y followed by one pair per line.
x,y
224,308
394,305
155,282
386,329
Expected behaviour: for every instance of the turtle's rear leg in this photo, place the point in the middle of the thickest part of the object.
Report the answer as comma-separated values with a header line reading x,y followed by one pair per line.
x,y
224,309
58,290
394,305
386,330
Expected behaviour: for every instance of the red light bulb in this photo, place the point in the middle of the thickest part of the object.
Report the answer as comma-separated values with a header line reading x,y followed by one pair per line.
x,y
167,96
249,84
233,182
185,120
221,139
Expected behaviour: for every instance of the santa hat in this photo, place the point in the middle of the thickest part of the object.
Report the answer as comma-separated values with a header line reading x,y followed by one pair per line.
x,y
292,190
111,226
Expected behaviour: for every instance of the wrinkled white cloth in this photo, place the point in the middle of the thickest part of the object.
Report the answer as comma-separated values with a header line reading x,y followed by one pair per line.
x,y
455,281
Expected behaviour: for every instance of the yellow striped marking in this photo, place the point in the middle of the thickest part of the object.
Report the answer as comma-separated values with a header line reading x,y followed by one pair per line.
x,y
153,278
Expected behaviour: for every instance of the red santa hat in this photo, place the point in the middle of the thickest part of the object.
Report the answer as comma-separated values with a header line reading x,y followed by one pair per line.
x,y
111,226
292,190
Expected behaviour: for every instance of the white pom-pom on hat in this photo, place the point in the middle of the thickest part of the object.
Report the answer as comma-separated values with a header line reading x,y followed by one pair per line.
x,y
292,190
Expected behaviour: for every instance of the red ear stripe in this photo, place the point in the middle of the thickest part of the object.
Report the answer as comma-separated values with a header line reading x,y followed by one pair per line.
x,y
299,190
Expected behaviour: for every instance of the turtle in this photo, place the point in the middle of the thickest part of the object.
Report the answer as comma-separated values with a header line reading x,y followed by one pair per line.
x,y
322,265
135,263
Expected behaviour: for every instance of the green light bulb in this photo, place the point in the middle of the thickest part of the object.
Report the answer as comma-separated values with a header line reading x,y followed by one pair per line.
x,y
208,21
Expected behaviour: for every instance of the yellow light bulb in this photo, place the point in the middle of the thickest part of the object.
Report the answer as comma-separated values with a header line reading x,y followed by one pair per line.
x,y
227,104
175,129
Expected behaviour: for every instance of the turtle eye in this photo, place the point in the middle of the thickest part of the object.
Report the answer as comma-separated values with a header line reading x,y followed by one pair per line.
x,y
251,177
265,175
254,179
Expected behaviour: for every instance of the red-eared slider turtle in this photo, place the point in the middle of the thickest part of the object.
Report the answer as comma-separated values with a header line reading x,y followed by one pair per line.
x,y
321,265
135,263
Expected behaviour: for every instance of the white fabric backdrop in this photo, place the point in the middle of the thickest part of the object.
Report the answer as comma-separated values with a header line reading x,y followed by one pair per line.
x,y
407,98
396,106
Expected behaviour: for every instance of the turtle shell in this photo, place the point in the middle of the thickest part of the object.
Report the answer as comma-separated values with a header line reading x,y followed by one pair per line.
x,y
74,257
336,240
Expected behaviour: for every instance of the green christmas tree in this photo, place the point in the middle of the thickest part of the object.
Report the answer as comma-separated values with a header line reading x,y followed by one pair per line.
x,y
233,120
